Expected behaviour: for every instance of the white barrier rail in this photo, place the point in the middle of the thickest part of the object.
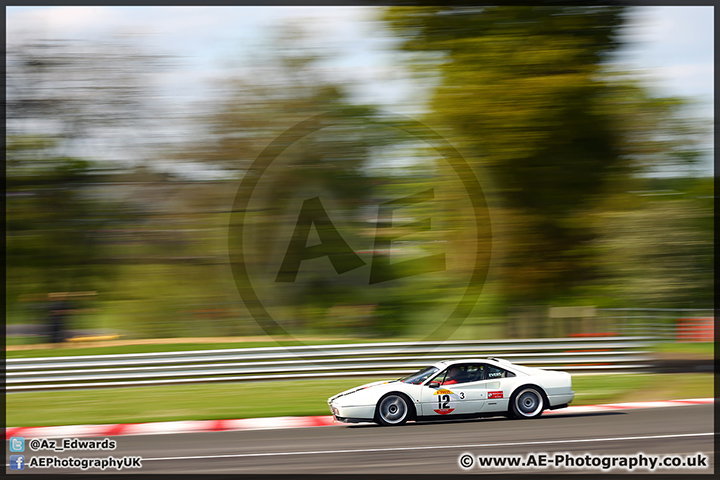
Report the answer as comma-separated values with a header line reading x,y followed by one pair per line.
x,y
601,354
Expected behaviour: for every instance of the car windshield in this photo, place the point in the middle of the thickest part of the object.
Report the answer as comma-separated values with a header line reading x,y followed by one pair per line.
x,y
420,376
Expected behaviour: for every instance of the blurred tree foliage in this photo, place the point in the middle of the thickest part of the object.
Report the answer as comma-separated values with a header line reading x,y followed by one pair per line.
x,y
552,131
248,113
79,91
50,221
557,138
656,245
65,101
329,159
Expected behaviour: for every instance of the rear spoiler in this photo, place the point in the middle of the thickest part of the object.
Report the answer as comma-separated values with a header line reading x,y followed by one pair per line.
x,y
500,360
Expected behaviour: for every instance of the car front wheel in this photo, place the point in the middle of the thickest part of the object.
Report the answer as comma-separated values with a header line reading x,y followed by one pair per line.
x,y
392,409
527,402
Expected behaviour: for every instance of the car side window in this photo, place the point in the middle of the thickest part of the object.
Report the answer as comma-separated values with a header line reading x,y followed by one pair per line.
x,y
497,372
440,378
472,372
460,374
475,372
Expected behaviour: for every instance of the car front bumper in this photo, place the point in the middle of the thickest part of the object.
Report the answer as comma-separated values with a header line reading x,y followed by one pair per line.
x,y
352,413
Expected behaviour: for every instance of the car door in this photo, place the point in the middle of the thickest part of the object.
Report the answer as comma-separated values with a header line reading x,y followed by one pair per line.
x,y
488,391
443,395
481,390
497,389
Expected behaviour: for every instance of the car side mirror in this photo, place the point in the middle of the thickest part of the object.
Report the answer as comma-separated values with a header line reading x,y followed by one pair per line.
x,y
434,384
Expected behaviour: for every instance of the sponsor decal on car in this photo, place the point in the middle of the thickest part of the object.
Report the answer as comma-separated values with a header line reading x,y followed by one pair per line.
x,y
495,394
446,400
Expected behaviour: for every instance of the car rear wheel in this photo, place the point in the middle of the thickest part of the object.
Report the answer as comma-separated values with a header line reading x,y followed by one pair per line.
x,y
392,409
527,402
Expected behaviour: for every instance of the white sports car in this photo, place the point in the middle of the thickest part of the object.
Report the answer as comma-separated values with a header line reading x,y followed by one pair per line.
x,y
458,389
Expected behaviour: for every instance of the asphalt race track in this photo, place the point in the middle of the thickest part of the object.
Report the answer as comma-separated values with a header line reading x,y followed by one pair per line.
x,y
422,448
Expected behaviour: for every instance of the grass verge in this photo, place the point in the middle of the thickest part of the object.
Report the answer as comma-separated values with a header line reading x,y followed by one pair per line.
x,y
269,399
686,350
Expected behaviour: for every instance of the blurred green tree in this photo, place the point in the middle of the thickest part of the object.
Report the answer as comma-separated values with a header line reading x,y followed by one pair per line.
x,y
331,165
51,220
81,93
69,104
657,248
530,98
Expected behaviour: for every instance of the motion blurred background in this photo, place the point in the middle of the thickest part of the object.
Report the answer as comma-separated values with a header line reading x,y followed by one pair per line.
x,y
129,131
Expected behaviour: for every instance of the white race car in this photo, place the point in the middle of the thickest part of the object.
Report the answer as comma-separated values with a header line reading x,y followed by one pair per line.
x,y
458,389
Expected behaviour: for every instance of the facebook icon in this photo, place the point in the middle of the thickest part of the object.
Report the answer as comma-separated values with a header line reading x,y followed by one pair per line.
x,y
17,462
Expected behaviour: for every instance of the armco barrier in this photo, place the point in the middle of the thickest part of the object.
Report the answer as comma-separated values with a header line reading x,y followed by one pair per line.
x,y
598,354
